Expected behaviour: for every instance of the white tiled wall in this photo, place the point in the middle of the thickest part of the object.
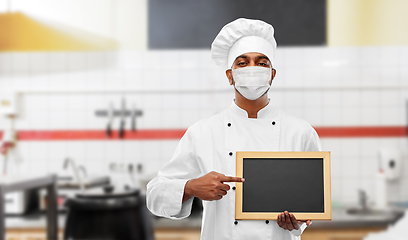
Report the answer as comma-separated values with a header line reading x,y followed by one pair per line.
x,y
344,86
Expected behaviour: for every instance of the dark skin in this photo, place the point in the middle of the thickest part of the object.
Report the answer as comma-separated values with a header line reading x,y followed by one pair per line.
x,y
212,186
245,60
209,187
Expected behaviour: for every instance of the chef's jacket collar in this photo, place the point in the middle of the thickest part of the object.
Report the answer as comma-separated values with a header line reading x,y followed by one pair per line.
x,y
267,112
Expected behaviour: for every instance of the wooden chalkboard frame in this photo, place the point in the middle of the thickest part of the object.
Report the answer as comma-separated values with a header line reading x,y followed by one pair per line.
x,y
240,215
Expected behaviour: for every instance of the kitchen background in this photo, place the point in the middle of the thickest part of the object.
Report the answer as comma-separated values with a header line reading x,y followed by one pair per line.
x,y
353,90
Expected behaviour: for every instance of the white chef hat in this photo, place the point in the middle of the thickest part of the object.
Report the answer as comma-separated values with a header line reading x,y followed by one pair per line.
x,y
243,36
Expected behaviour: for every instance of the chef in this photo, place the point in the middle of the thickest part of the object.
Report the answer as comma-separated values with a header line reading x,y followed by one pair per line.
x,y
204,162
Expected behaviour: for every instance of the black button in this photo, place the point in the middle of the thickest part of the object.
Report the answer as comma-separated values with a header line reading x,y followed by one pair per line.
x,y
233,188
230,153
229,124
267,221
236,222
273,123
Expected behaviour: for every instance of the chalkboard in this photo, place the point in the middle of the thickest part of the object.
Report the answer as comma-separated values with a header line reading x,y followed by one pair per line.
x,y
297,182
186,24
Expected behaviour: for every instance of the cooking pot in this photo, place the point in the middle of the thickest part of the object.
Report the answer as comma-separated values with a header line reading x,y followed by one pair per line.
x,y
97,215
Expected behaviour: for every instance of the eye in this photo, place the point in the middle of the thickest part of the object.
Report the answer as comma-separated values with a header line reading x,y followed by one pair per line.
x,y
241,63
263,63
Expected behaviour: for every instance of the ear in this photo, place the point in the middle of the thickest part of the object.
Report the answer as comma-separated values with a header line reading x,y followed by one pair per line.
x,y
229,76
273,75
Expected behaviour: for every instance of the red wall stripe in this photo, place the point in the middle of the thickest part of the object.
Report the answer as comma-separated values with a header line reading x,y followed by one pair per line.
x,y
156,134
341,132
164,134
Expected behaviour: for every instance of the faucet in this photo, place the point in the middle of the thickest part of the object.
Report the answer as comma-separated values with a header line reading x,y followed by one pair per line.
x,y
362,199
75,170
83,170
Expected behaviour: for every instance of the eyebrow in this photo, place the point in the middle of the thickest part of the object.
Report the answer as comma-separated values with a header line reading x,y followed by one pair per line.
x,y
258,57
262,57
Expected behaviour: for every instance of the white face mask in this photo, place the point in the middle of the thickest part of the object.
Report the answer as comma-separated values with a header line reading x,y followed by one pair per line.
x,y
252,82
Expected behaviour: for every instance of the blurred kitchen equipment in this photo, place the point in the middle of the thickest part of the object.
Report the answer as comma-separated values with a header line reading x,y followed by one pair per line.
x,y
5,159
8,103
390,162
122,119
7,146
133,118
389,169
381,190
197,207
4,149
68,187
122,113
75,170
131,171
8,108
83,170
396,231
362,199
89,182
114,216
111,115
22,183
21,202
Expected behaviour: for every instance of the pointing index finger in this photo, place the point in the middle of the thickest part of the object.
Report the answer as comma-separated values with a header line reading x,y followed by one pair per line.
x,y
232,179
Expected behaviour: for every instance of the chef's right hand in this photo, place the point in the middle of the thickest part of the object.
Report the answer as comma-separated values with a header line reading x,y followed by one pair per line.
x,y
209,187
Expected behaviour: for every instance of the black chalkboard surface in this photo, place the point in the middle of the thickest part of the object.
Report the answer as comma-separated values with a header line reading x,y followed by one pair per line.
x,y
297,182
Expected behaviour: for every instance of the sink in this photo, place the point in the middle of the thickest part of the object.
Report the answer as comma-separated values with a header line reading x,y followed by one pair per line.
x,y
369,212
68,187
392,214
357,217
90,182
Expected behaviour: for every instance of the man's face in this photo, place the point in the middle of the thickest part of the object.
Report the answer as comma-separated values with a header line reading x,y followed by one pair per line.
x,y
250,59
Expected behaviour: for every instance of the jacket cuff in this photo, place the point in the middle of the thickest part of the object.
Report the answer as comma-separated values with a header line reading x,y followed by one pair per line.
x,y
298,232
177,209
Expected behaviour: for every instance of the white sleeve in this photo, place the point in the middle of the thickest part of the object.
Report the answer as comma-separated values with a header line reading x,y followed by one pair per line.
x,y
313,145
165,192
298,232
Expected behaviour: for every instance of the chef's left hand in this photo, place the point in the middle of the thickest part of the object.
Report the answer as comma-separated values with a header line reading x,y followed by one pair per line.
x,y
288,221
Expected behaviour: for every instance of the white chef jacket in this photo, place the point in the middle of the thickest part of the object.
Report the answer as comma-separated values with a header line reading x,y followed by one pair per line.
x,y
210,145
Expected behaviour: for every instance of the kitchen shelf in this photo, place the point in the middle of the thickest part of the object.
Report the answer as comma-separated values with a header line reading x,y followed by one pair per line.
x,y
49,182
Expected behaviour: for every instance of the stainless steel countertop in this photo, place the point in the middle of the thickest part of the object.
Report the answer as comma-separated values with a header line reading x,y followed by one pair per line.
x,y
340,219
38,220
193,221
31,221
